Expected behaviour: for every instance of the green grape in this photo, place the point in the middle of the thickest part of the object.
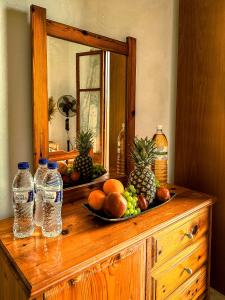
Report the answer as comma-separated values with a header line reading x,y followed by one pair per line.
x,y
126,194
126,213
131,210
132,189
157,183
129,205
134,202
138,210
129,199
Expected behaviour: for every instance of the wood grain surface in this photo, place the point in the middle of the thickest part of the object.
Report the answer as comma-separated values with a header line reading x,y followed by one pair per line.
x,y
44,262
85,37
130,100
39,82
11,286
200,118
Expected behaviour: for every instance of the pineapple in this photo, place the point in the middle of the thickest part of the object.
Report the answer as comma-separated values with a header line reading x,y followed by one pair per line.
x,y
142,177
83,163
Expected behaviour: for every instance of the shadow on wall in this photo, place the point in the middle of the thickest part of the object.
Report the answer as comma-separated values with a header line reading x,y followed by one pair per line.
x,y
19,89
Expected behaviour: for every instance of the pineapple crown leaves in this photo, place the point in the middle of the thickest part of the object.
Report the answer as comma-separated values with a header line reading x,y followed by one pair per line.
x,y
143,151
84,142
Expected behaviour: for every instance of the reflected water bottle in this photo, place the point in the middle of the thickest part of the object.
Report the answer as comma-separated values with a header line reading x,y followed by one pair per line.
x,y
120,164
52,201
23,201
38,181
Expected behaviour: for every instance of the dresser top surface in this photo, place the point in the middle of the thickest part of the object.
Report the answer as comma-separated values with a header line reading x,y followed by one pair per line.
x,y
40,261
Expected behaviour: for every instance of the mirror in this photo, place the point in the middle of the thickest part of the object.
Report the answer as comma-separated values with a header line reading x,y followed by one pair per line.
x,y
82,82
86,91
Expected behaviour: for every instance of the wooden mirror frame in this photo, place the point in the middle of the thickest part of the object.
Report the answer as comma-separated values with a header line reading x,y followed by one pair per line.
x,y
41,27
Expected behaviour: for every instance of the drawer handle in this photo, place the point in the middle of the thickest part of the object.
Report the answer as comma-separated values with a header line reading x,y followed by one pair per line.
x,y
188,270
191,234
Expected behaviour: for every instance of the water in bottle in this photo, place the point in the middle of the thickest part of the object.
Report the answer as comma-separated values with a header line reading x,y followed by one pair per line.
x,y
121,151
38,180
159,166
52,201
23,201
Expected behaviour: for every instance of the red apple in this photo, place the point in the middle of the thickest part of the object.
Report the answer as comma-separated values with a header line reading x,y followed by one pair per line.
x,y
163,194
115,205
142,202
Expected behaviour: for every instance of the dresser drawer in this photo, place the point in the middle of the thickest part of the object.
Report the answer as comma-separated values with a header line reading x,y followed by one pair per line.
x,y
193,288
180,268
176,237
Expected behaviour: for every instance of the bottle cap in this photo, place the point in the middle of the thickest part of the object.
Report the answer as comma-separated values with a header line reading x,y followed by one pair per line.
x,y
23,165
43,161
159,127
52,165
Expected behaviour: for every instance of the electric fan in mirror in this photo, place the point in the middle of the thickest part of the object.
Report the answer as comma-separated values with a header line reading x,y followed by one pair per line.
x,y
67,106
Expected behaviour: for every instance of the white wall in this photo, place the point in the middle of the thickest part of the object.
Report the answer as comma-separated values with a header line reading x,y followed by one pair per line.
x,y
152,22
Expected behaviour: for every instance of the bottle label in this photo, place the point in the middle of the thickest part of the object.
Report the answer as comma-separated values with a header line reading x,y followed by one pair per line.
x,y
161,153
23,197
53,197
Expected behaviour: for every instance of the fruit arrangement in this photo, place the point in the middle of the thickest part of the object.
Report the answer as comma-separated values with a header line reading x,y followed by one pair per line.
x,y
115,201
71,176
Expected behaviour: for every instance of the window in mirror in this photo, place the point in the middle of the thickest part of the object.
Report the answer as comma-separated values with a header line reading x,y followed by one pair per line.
x,y
90,69
91,98
90,112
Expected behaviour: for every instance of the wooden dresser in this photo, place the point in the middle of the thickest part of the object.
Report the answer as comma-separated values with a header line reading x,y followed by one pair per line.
x,y
163,254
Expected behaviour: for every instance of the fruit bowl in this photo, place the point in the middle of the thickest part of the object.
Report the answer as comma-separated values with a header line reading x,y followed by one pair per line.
x,y
99,214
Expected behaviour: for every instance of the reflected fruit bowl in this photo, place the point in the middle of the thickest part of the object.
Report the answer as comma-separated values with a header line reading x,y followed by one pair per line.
x,y
72,178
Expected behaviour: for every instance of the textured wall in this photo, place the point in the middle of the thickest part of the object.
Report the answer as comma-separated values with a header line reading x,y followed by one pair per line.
x,y
152,22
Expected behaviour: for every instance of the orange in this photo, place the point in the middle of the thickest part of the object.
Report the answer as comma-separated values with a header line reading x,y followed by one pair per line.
x,y
112,186
96,199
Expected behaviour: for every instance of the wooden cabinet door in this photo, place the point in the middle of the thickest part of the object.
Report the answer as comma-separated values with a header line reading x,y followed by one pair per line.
x,y
120,277
200,118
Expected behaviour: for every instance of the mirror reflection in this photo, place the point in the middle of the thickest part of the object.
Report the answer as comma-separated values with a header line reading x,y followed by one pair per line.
x,y
86,93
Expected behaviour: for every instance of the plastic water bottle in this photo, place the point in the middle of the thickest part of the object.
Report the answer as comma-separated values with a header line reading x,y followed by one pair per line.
x,y
23,201
160,162
52,201
120,166
38,181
